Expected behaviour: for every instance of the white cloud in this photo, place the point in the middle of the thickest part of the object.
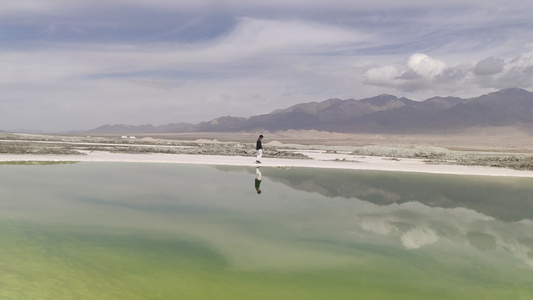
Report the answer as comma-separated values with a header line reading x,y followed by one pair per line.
x,y
423,74
382,76
257,58
521,63
416,74
262,4
267,35
489,66
426,66
227,50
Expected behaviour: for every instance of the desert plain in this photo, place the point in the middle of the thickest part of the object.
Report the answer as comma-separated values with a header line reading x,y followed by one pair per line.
x,y
494,152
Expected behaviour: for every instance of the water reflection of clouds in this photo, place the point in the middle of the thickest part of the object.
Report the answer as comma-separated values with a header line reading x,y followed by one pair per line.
x,y
418,237
416,226
506,199
481,214
403,213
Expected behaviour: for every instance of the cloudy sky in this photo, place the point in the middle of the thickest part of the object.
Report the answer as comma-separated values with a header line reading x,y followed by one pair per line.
x,y
76,65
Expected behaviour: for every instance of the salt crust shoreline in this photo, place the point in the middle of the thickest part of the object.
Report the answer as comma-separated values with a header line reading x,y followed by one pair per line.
x,y
319,159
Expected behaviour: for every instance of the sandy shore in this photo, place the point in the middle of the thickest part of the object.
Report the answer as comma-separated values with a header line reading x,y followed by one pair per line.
x,y
318,159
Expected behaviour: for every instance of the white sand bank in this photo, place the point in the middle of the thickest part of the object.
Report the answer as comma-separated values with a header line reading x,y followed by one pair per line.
x,y
320,159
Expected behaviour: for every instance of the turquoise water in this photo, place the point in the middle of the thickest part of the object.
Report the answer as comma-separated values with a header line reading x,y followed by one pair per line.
x,y
163,231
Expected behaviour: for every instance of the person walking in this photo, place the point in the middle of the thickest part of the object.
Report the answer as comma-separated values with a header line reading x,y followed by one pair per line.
x,y
259,148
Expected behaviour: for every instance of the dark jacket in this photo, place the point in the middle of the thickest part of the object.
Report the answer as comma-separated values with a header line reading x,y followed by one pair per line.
x,y
258,145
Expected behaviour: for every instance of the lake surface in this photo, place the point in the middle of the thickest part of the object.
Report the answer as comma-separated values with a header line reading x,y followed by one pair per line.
x,y
165,231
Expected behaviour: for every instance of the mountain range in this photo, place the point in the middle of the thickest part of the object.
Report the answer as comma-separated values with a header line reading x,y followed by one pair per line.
x,y
380,114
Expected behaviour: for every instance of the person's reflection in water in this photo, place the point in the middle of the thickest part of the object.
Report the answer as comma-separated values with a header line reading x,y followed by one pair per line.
x,y
258,178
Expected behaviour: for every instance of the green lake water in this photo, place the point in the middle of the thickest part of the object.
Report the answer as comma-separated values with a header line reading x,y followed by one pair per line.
x,y
165,231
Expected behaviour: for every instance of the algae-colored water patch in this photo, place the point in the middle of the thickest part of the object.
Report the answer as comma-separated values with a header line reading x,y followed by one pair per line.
x,y
151,231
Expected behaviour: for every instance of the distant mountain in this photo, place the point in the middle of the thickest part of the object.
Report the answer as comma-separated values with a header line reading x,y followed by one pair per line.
x,y
175,127
123,128
149,128
220,124
380,114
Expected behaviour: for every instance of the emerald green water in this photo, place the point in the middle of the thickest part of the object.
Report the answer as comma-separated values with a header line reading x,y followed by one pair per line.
x,y
164,231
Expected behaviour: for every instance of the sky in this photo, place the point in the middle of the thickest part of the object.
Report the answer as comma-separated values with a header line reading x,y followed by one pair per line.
x,y
75,65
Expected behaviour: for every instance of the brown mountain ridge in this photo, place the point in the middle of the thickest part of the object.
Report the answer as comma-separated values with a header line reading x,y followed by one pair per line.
x,y
381,114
